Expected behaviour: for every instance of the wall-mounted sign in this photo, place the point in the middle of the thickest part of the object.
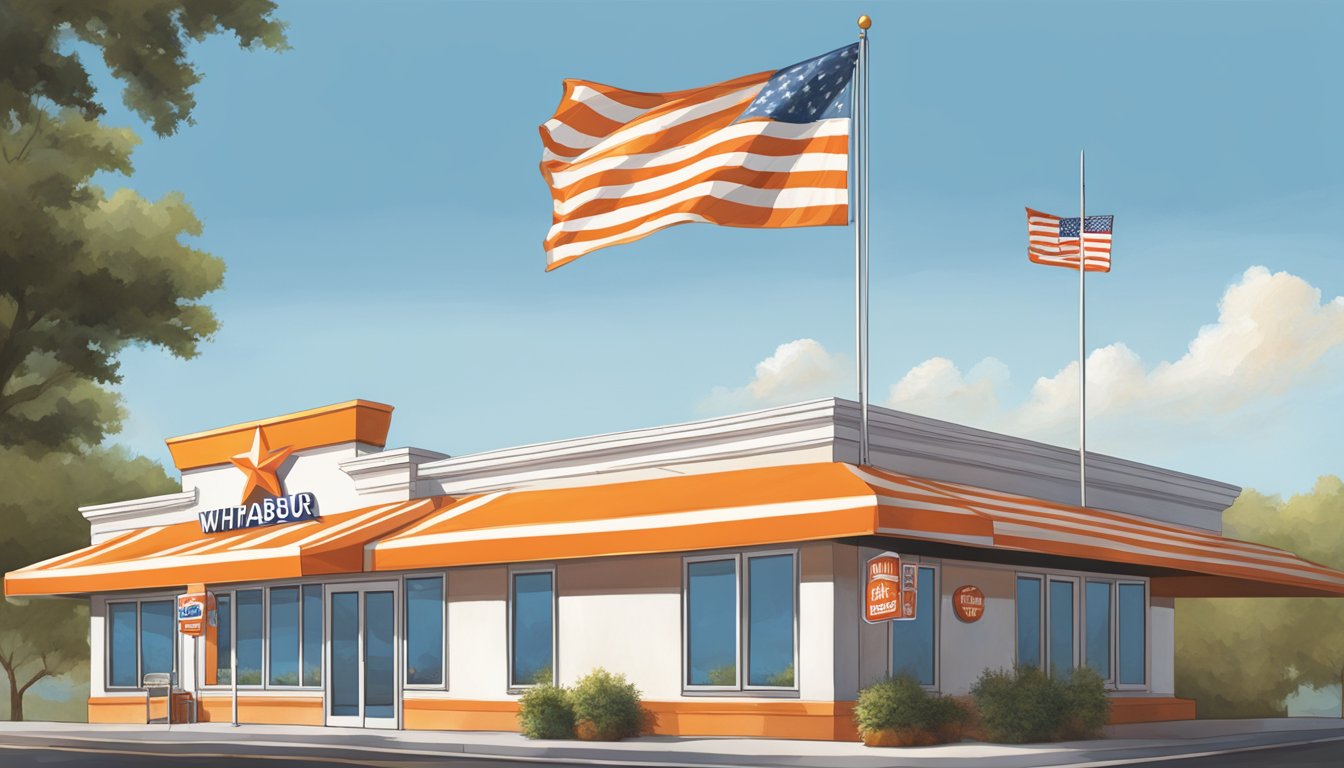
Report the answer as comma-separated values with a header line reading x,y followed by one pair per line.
x,y
968,603
891,589
269,511
194,611
268,503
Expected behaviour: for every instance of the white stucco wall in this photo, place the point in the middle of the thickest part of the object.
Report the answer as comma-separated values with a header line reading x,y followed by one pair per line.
x,y
625,616
1162,645
478,644
969,649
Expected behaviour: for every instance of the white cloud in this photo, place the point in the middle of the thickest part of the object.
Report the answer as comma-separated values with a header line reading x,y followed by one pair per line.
x,y
799,370
1272,332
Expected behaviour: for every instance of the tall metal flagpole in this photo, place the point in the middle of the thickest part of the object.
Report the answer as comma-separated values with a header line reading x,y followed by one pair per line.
x,y
1082,332
860,124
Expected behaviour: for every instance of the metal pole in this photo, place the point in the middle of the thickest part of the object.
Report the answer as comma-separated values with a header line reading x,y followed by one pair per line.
x,y
233,653
1082,332
860,126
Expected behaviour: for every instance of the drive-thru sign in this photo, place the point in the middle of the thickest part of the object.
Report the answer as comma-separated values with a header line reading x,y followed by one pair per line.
x,y
891,590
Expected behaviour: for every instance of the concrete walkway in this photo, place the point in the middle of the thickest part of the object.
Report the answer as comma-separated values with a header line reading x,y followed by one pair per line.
x,y
1123,745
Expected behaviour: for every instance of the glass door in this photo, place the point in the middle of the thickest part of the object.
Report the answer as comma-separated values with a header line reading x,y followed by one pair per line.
x,y
361,657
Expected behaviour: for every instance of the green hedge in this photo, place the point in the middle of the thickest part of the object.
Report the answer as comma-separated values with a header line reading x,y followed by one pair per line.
x,y
901,704
606,706
546,712
1026,705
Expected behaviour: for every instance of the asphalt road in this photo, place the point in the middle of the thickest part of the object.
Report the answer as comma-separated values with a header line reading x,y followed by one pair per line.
x,y
12,755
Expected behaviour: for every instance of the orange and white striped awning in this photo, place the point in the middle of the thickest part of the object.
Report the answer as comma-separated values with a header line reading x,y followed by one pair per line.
x,y
179,554
776,505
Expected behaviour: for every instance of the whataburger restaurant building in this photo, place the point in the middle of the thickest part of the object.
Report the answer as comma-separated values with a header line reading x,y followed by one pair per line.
x,y
720,565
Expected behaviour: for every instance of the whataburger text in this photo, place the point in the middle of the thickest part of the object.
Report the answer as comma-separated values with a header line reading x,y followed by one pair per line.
x,y
268,511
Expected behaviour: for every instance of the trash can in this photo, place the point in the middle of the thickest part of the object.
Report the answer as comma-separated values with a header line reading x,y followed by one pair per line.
x,y
158,697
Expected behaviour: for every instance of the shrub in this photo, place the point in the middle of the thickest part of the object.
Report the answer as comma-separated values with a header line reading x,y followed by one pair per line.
x,y
606,706
546,712
899,705
1026,705
1087,705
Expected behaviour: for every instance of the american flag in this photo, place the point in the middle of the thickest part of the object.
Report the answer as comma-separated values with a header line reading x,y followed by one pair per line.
x,y
1054,241
764,150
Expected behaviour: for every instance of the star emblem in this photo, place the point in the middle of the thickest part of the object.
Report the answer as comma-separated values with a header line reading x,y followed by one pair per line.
x,y
260,465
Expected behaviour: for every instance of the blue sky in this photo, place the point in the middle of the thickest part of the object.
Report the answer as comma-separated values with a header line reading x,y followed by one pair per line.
x,y
375,194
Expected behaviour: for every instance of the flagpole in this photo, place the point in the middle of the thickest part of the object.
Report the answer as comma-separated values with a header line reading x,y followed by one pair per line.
x,y
1082,331
860,121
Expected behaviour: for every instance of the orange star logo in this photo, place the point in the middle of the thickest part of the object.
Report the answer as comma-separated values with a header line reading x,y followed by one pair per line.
x,y
260,465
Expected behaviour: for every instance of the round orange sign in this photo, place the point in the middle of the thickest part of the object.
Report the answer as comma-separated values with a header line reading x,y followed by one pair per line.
x,y
969,603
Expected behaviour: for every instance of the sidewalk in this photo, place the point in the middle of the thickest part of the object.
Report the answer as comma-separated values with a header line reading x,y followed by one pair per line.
x,y
1123,744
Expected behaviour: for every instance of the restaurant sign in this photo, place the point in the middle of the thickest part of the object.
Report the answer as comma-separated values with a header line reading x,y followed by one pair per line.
x,y
891,590
194,611
267,511
968,603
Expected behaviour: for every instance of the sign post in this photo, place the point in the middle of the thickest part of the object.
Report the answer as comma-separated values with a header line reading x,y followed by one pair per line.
x,y
892,589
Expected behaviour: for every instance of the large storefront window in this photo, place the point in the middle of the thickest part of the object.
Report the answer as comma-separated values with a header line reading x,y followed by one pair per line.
x,y
424,631
280,625
140,641
1109,616
914,643
716,598
532,628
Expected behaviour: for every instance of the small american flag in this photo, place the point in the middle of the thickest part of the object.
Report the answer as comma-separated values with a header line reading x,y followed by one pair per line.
x,y
1054,241
764,150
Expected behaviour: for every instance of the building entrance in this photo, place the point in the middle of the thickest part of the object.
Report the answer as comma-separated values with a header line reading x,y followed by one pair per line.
x,y
362,654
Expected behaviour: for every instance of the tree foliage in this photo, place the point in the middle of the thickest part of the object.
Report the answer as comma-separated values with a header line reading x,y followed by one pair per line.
x,y
39,510
142,42
84,273
1243,657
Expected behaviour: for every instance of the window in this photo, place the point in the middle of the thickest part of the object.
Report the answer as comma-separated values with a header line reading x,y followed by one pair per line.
x,y
914,642
717,600
1133,635
249,619
1060,621
223,640
1097,631
1029,620
282,642
424,631
531,628
1108,620
141,639
312,634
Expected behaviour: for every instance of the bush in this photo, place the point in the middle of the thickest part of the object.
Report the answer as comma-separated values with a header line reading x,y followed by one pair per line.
x,y
606,707
546,712
1087,705
1027,705
898,712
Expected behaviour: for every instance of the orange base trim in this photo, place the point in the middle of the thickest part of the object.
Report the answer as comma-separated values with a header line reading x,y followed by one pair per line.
x,y
262,710
459,715
817,720
1146,709
117,709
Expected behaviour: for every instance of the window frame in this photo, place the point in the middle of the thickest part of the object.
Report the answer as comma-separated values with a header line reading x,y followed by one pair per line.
x,y
1040,623
744,619
443,654
266,685
1072,580
742,597
1080,580
1147,614
136,600
509,605
937,623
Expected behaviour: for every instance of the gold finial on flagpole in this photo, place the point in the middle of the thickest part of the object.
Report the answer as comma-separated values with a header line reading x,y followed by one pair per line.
x,y
865,22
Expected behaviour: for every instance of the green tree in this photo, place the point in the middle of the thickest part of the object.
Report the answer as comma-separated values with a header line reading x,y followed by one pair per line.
x,y
1243,657
85,273
39,506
